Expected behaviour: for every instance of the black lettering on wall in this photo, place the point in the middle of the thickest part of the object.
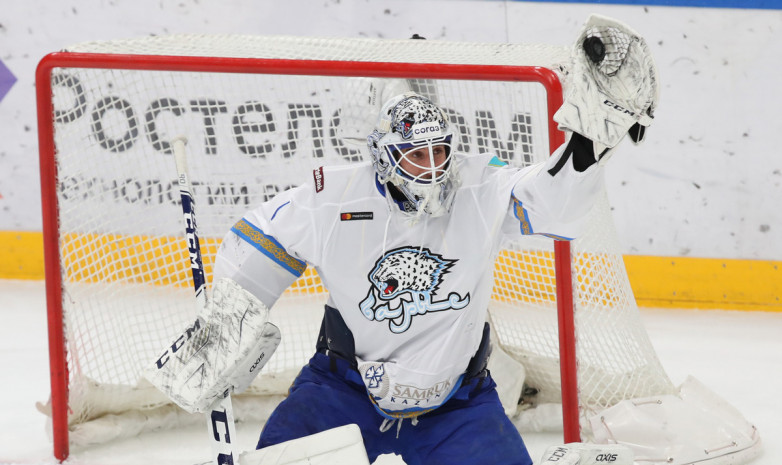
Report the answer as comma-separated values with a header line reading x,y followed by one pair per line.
x,y
155,108
209,108
252,118
304,111
462,132
73,84
520,137
521,132
127,140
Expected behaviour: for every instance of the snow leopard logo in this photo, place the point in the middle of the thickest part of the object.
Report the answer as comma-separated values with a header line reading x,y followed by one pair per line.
x,y
411,111
404,283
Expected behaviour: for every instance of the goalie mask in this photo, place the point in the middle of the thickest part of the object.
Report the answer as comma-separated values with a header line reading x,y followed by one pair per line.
x,y
411,149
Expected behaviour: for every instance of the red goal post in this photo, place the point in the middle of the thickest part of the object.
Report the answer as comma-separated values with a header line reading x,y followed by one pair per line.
x,y
86,260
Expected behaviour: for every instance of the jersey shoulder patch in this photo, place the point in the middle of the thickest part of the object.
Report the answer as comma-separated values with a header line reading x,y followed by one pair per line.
x,y
320,182
340,177
495,161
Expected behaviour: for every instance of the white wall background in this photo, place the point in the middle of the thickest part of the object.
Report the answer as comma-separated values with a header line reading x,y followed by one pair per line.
x,y
706,183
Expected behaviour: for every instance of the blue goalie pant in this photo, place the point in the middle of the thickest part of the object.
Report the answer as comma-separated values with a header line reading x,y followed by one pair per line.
x,y
470,428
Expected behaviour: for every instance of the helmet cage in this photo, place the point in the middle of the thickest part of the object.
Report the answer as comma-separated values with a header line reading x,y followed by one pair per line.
x,y
431,166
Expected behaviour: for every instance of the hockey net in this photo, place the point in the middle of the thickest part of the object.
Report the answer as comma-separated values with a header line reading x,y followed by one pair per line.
x,y
259,114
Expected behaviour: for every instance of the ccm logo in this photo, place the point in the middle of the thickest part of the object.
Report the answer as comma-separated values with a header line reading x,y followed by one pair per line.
x,y
559,453
618,107
180,341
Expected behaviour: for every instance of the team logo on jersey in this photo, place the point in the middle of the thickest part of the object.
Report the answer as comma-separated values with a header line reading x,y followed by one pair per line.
x,y
404,284
375,378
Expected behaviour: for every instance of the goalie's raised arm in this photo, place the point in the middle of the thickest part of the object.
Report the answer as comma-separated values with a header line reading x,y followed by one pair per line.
x,y
612,91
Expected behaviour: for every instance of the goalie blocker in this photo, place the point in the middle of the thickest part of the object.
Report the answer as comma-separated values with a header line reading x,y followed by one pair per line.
x,y
222,352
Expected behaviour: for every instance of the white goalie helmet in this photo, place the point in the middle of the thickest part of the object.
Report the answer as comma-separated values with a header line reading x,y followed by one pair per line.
x,y
411,149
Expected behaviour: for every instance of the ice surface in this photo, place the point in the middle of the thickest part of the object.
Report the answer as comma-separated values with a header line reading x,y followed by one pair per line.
x,y
735,354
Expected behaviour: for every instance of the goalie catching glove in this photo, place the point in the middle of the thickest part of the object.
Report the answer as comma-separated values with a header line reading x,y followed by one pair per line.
x,y
613,86
221,353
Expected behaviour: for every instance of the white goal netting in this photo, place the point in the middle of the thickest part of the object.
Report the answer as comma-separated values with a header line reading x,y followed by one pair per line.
x,y
257,126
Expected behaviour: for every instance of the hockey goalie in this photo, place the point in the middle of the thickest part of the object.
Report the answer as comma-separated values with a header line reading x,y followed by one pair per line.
x,y
406,244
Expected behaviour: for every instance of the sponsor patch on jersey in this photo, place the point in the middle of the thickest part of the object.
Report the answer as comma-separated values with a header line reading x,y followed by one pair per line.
x,y
353,216
317,174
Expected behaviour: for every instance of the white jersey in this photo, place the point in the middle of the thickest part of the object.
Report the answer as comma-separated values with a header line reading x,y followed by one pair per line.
x,y
414,295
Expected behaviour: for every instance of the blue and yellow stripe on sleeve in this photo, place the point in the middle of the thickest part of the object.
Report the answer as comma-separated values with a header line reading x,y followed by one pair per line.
x,y
269,246
521,214
526,227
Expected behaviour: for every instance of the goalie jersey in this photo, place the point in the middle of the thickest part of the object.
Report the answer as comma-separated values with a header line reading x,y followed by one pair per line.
x,y
414,294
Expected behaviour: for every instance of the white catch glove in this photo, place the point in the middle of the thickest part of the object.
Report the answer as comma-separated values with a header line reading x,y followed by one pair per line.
x,y
222,353
578,453
613,84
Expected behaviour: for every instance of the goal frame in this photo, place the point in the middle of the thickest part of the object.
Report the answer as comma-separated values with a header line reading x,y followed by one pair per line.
x,y
48,175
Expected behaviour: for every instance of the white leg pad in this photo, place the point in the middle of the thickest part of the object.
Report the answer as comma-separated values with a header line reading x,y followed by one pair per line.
x,y
338,445
695,426
578,453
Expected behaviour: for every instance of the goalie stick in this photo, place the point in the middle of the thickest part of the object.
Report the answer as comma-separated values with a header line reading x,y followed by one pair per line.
x,y
222,412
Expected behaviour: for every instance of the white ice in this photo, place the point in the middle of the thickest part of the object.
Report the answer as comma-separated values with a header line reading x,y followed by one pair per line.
x,y
736,354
